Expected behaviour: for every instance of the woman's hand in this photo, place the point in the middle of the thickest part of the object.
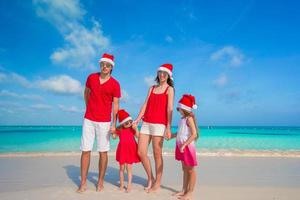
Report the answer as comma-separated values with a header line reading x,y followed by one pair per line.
x,y
168,133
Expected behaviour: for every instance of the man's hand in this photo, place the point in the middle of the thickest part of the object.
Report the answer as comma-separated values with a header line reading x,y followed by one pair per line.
x,y
112,130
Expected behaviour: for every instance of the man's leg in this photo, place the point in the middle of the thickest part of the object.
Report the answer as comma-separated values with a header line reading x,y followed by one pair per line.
x,y
87,140
103,136
84,168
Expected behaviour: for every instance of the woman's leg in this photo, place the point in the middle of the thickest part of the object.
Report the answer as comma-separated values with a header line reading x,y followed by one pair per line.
x,y
143,143
157,144
129,174
121,174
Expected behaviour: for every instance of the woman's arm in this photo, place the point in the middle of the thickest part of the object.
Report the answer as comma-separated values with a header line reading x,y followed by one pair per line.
x,y
193,135
143,109
169,112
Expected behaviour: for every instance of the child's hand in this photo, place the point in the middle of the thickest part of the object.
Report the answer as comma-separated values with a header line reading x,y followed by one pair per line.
x,y
112,130
173,135
114,136
136,122
182,148
134,125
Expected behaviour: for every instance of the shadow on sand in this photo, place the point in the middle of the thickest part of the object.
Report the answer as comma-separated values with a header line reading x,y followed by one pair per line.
x,y
111,176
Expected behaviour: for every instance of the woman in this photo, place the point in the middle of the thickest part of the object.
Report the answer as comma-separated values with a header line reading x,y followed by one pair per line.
x,y
156,114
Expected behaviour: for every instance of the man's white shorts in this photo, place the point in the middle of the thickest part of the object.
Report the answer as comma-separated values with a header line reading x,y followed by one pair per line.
x,y
153,129
89,130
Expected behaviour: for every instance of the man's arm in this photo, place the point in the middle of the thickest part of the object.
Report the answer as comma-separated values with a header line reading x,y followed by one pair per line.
x,y
86,95
115,111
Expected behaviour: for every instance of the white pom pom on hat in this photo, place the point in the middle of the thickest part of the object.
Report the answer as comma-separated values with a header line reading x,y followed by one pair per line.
x,y
187,102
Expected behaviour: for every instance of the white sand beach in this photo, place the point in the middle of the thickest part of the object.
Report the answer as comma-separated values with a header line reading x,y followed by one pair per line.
x,y
56,176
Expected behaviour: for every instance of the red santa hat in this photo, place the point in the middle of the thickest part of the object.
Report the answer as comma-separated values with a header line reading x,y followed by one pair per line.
x,y
123,116
107,58
187,102
166,68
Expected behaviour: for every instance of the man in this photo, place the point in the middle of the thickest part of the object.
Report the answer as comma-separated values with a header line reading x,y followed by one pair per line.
x,y
101,92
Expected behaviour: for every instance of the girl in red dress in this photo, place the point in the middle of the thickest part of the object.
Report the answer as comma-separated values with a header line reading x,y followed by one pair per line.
x,y
126,153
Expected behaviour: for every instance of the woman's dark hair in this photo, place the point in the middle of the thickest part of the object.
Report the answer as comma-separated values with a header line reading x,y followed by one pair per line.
x,y
169,81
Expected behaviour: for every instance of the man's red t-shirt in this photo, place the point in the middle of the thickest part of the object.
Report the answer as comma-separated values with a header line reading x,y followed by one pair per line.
x,y
99,104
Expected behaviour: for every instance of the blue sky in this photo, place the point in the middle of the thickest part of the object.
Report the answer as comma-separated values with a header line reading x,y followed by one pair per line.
x,y
239,58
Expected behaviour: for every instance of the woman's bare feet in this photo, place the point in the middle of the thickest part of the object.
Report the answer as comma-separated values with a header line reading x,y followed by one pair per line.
x,y
99,188
186,196
82,188
121,188
128,188
177,194
149,184
155,187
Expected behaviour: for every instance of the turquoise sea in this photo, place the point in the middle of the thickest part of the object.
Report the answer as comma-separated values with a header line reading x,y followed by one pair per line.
x,y
15,139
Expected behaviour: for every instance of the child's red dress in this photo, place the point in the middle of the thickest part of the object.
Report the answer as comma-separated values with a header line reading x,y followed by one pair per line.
x,y
127,147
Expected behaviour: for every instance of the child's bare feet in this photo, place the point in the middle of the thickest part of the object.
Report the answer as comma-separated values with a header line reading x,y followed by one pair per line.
x,y
82,188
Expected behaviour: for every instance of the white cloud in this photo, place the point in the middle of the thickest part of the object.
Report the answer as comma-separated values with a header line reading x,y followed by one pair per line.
x,y
150,80
82,44
236,58
221,81
169,39
3,77
72,109
41,107
13,107
61,84
20,96
15,78
59,13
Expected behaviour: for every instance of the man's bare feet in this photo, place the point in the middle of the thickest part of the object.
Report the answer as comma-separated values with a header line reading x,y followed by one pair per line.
x,y
82,188
121,188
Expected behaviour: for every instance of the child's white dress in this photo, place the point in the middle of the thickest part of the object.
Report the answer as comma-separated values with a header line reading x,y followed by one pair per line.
x,y
188,156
